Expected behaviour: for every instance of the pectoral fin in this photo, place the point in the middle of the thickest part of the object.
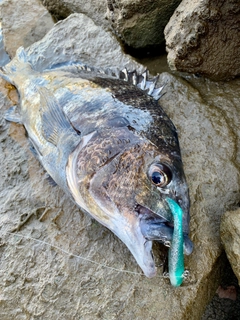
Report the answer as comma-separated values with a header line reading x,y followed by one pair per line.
x,y
54,122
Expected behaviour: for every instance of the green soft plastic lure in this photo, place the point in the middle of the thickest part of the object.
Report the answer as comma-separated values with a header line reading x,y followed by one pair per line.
x,y
175,253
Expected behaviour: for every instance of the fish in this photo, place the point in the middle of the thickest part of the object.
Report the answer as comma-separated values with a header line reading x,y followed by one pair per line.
x,y
103,138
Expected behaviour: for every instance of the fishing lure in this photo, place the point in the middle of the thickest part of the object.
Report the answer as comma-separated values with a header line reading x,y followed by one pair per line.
x,y
175,253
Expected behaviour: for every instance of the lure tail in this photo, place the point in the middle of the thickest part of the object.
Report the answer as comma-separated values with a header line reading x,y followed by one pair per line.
x,y
175,253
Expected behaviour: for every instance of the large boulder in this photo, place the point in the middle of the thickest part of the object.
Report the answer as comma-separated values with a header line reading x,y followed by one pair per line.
x,y
23,23
138,23
94,9
230,235
203,37
82,41
58,263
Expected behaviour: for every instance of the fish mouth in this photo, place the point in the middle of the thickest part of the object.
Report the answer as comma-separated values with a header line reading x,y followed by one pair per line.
x,y
154,226
137,229
157,228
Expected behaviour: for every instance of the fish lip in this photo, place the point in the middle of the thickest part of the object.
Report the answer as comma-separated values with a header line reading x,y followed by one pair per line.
x,y
146,214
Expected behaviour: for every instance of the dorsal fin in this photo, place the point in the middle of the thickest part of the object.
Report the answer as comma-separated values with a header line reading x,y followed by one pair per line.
x,y
141,80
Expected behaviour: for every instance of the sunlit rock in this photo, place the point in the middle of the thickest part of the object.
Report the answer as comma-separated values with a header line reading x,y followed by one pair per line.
x,y
203,37
138,23
23,23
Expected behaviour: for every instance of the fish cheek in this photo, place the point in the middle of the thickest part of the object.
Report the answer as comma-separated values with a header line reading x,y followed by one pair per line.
x,y
124,184
98,189
128,180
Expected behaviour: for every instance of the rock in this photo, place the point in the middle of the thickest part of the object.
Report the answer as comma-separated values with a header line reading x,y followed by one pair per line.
x,y
78,38
137,23
140,23
4,58
52,252
94,9
225,304
23,23
203,37
230,235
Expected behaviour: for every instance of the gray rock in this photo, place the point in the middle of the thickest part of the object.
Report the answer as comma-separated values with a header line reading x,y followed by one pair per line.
x,y
94,9
140,23
23,23
78,38
58,263
203,37
230,235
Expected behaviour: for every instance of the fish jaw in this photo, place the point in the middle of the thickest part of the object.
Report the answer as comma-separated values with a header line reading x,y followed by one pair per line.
x,y
127,228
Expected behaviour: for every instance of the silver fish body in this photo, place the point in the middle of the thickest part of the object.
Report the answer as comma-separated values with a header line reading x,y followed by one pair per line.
x,y
105,141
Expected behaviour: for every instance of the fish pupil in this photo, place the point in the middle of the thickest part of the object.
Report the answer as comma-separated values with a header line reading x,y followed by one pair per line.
x,y
157,177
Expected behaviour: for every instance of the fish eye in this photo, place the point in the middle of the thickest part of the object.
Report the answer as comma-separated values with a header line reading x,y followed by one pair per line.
x,y
160,175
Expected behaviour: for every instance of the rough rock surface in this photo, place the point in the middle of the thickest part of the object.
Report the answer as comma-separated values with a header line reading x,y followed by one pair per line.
x,y
230,235
78,38
204,37
42,272
23,23
140,23
94,9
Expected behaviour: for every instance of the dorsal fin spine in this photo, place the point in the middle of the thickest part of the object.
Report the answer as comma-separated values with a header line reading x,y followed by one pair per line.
x,y
141,80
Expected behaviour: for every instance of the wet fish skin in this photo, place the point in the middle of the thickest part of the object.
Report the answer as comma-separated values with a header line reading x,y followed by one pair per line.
x,y
98,136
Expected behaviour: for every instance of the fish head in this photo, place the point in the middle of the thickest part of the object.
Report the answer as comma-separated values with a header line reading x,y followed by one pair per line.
x,y
124,185
162,177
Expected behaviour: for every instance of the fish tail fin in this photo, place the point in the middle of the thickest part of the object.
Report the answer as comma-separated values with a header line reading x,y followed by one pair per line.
x,y
18,64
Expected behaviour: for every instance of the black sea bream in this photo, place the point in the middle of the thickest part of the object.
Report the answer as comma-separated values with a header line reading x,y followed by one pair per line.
x,y
104,139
